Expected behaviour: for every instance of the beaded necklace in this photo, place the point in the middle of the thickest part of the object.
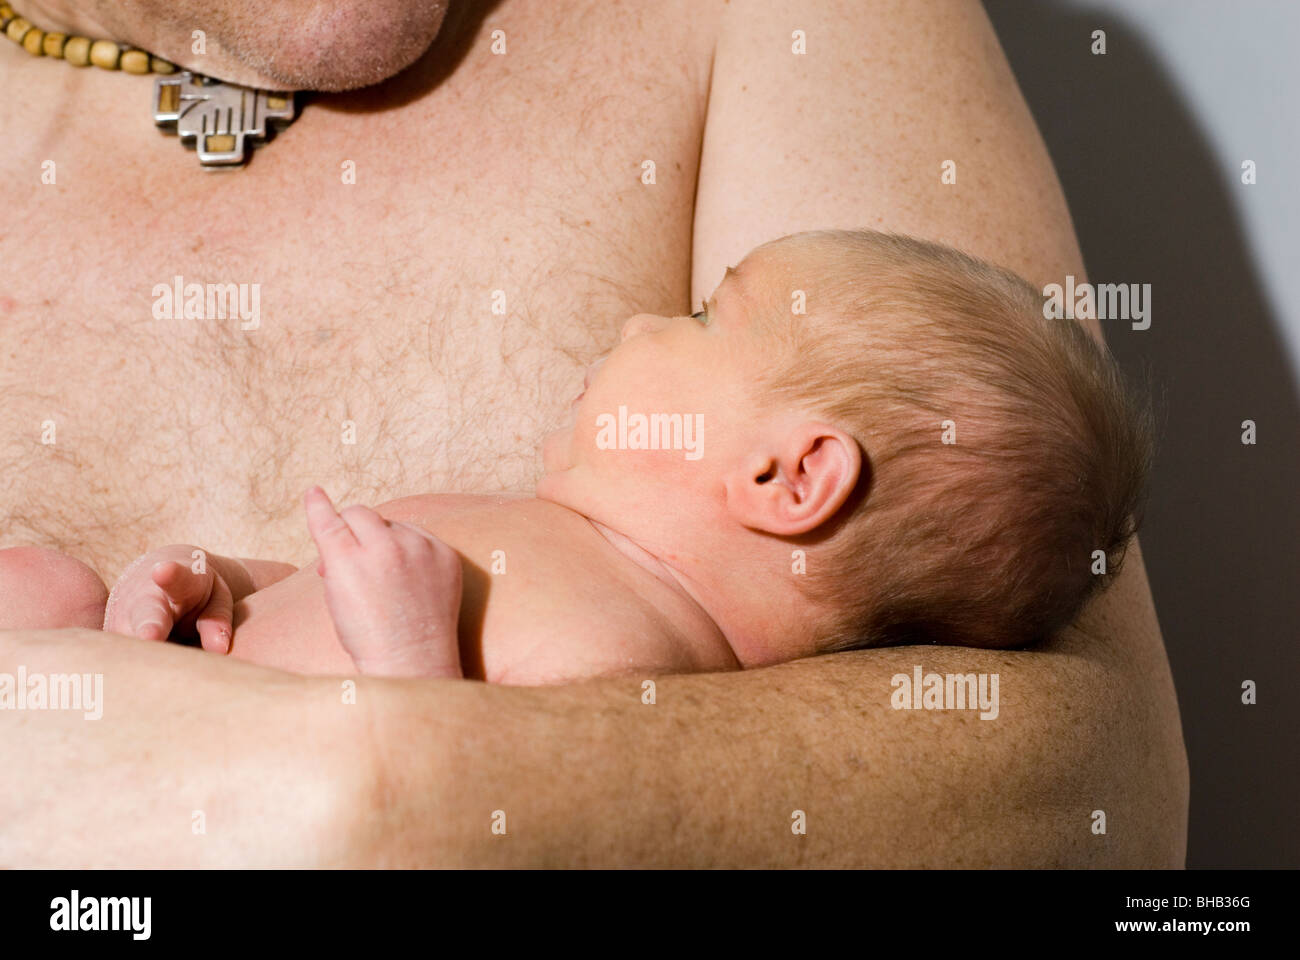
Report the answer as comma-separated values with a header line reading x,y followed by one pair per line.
x,y
220,120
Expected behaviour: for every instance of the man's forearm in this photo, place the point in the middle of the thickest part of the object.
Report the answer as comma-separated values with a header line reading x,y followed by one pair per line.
x,y
197,760
285,770
716,770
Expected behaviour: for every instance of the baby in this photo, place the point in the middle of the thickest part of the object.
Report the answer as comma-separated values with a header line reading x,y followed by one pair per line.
x,y
861,439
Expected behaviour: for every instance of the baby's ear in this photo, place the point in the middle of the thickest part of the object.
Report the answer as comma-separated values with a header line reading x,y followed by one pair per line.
x,y
795,482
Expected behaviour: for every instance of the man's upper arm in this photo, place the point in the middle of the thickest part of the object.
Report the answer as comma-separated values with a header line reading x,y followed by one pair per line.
x,y
854,132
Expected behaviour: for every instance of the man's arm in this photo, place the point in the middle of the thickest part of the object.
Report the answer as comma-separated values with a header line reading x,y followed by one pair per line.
x,y
854,134
285,772
713,771
196,760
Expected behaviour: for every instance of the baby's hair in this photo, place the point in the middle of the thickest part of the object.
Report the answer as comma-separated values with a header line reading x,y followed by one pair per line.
x,y
988,541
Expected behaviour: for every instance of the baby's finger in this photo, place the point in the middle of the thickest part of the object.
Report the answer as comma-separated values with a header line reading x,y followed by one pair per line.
x,y
184,588
329,531
151,618
369,527
214,622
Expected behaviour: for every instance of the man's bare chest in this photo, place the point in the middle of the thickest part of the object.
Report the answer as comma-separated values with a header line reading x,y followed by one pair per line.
x,y
397,294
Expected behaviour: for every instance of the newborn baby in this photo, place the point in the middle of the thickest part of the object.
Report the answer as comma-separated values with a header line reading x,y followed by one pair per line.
x,y
861,439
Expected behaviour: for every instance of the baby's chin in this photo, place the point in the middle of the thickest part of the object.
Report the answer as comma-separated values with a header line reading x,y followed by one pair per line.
x,y
554,487
560,483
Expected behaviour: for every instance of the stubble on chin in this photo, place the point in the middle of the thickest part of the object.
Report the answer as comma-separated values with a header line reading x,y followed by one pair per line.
x,y
327,45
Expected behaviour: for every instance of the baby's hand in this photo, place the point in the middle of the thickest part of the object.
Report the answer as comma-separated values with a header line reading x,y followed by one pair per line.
x,y
163,593
393,590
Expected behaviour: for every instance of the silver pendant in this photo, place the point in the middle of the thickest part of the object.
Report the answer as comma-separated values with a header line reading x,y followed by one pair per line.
x,y
222,120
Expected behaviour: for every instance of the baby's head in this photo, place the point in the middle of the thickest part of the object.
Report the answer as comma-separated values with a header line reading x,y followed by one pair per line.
x,y
948,460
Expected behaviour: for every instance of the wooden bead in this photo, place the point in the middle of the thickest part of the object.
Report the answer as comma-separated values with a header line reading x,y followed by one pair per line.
x,y
33,42
77,51
135,61
105,54
53,45
159,65
6,14
17,29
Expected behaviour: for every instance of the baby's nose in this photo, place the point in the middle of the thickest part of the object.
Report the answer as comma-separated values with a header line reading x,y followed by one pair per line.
x,y
641,323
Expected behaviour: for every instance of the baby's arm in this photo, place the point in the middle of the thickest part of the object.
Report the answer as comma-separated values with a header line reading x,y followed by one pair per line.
x,y
392,589
182,587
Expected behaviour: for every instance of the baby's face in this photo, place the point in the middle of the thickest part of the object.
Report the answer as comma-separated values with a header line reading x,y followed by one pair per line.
x,y
666,411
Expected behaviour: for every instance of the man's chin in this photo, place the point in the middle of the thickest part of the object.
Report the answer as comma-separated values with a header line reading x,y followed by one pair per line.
x,y
312,45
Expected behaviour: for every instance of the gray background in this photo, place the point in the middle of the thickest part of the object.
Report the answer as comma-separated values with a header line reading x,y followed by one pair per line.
x,y
1148,141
